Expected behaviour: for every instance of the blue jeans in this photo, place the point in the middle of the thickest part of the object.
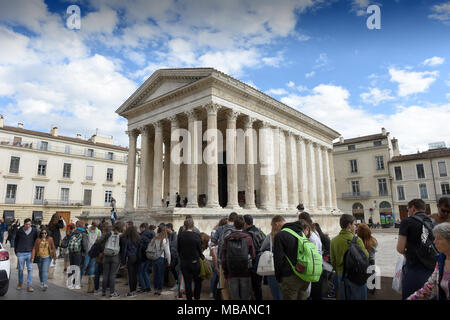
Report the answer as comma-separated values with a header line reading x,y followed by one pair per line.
x,y
89,264
159,266
213,284
43,269
275,288
413,278
144,279
98,272
350,291
22,258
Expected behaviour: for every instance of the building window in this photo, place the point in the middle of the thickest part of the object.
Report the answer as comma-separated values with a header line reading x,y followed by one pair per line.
x,y
442,169
66,170
42,167
67,149
382,187
423,191
353,166
380,163
14,165
351,147
401,193
11,190
65,195
90,153
109,174
377,143
87,197
398,173
108,197
355,188
445,187
110,156
420,171
44,146
89,172
39,195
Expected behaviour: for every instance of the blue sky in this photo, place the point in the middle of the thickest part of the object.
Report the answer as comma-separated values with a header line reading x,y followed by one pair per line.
x,y
315,55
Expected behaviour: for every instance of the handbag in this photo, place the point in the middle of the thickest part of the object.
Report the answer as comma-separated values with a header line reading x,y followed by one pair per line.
x,y
266,266
205,269
397,279
37,259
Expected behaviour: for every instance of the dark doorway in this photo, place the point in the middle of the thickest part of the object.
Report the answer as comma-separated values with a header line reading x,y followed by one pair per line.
x,y
223,185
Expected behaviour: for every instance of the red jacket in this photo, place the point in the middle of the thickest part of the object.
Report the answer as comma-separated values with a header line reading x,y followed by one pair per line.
x,y
251,252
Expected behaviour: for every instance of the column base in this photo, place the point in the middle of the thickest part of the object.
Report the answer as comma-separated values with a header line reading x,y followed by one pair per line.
x,y
250,206
232,206
213,205
268,208
192,205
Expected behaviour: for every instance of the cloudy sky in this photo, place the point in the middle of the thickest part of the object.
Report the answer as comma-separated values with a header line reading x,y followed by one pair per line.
x,y
317,56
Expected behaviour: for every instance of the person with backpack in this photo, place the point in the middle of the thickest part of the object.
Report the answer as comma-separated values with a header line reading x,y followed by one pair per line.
x,y
158,251
258,238
364,232
93,234
415,241
296,259
130,257
350,259
77,246
110,244
190,252
173,244
144,264
237,254
438,284
217,240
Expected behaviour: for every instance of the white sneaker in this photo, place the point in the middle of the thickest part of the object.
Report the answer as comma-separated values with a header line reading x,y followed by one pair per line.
x,y
77,287
70,287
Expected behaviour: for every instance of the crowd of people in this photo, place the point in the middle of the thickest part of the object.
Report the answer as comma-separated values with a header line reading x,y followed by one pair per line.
x,y
304,263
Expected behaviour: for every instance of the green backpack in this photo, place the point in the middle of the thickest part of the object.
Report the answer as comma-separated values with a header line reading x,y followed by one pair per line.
x,y
309,261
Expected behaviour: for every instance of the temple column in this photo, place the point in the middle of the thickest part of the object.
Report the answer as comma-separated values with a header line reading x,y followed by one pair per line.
x,y
157,165
327,181
291,164
150,164
319,177
332,178
143,174
166,168
232,166
311,168
131,170
192,167
249,165
175,160
302,172
212,197
281,198
267,178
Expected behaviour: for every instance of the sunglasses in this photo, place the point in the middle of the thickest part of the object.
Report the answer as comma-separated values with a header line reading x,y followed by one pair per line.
x,y
43,232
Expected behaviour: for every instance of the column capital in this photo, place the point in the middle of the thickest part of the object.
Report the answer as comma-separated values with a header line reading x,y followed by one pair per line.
x,y
132,133
191,115
265,124
248,124
329,150
287,133
144,129
158,125
232,115
315,144
298,138
307,141
173,120
212,108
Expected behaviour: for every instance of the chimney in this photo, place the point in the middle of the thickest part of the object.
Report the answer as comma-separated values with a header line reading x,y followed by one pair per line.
x,y
54,131
20,125
383,131
2,121
79,136
341,139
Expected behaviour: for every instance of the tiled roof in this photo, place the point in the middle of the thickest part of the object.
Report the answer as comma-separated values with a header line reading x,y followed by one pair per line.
x,y
62,138
430,154
362,139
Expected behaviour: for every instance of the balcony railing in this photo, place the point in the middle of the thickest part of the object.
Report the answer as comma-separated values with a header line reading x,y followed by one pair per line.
x,y
69,203
356,195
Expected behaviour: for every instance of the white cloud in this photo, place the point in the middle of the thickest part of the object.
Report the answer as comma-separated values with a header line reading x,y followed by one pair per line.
x,y
412,82
360,7
310,74
441,12
375,96
277,92
321,61
435,61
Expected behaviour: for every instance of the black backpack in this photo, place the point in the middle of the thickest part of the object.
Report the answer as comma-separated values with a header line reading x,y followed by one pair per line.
x,y
258,238
355,264
426,253
237,255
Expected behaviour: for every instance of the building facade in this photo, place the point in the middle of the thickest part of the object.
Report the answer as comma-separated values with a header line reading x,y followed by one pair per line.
x,y
45,173
423,175
240,150
363,183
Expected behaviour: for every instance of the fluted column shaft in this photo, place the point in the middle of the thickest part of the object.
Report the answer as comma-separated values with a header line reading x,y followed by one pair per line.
x,y
302,172
267,176
249,165
174,163
157,165
166,168
131,170
192,167
311,167
281,198
327,179
232,167
212,155
150,164
319,177
143,186
291,162
332,178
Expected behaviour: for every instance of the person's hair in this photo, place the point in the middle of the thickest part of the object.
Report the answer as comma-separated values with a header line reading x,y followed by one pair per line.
x,y
305,225
239,222
232,217
161,234
188,224
188,216
444,201
132,234
94,223
365,234
130,223
443,229
169,225
152,227
80,223
106,227
305,216
46,230
144,225
26,220
319,230
345,220
72,227
222,222
118,226
277,218
53,221
419,204
205,240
